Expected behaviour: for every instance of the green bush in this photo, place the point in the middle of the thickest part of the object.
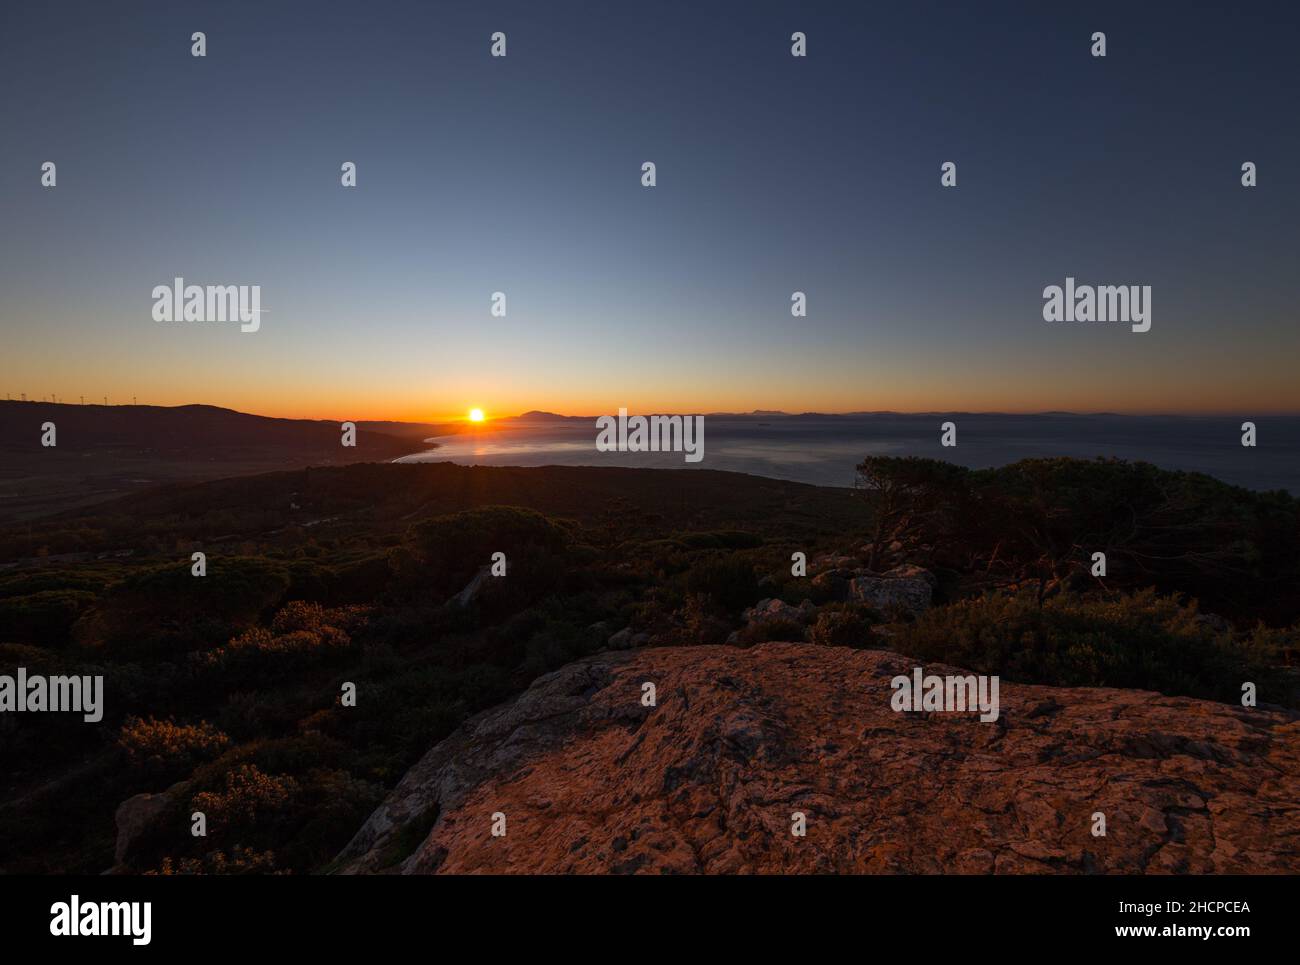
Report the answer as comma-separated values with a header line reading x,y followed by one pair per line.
x,y
1040,520
445,552
43,618
729,581
702,622
729,539
166,610
1144,641
845,625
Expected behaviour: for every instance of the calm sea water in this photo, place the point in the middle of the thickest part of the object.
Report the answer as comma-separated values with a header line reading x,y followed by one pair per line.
x,y
824,449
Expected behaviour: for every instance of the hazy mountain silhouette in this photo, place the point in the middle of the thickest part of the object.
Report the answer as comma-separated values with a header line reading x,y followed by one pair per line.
x,y
105,451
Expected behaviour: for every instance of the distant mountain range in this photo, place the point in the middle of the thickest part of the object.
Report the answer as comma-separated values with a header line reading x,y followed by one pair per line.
x,y
537,415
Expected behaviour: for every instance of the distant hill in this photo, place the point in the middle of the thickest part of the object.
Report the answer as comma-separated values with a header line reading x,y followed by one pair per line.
x,y
537,415
105,451
378,499
185,427
411,430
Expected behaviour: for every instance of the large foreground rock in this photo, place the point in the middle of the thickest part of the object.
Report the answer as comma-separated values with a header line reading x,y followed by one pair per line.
x,y
589,780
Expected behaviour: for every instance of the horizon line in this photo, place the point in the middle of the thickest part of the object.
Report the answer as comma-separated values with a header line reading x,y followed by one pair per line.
x,y
752,413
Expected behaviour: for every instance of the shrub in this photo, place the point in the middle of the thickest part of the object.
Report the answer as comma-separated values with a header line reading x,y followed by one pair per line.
x,y
251,800
242,861
1040,520
291,822
727,539
844,625
332,805
446,551
701,623
43,618
767,631
165,610
1144,641
258,651
728,580
305,615
1278,646
298,615
163,746
280,755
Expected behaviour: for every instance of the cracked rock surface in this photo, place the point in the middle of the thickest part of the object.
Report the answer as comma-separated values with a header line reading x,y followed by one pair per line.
x,y
590,780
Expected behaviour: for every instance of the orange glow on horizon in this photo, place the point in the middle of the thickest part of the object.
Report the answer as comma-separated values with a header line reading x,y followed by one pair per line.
x,y
895,389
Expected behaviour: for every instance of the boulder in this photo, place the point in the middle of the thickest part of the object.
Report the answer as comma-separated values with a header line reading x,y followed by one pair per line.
x,y
593,781
627,638
833,583
768,611
832,561
134,816
909,571
886,593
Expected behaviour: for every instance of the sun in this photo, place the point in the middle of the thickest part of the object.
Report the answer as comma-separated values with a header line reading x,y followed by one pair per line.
x,y
476,415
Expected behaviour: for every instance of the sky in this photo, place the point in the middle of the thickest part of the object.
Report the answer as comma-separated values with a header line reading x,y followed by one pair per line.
x,y
775,174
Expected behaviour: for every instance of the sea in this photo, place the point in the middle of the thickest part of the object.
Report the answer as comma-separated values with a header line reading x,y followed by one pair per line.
x,y
824,449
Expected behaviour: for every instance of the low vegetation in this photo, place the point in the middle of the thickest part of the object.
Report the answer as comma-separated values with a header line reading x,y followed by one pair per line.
x,y
227,689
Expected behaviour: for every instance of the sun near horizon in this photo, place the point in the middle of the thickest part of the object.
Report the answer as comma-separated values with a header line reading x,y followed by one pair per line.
x,y
476,415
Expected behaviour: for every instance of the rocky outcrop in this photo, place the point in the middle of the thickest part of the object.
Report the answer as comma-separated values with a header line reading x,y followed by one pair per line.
x,y
587,778
904,588
136,814
773,611
834,561
833,584
626,639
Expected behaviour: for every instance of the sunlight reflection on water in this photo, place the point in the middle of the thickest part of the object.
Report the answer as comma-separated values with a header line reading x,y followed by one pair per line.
x,y
824,450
